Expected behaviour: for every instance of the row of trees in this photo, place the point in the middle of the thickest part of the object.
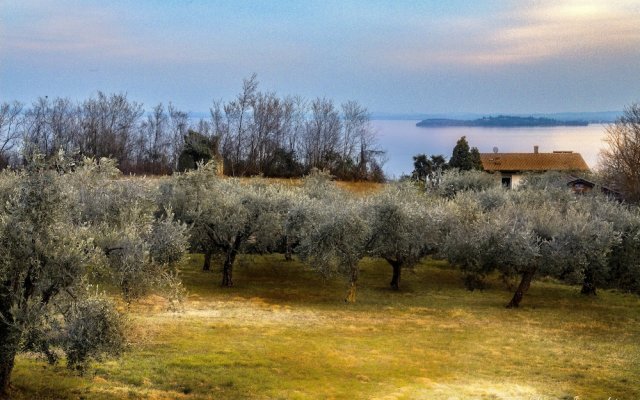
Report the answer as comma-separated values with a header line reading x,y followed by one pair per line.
x,y
326,227
102,126
261,133
255,133
469,219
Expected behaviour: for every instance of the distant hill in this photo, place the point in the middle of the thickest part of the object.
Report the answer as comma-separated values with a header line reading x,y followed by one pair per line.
x,y
502,121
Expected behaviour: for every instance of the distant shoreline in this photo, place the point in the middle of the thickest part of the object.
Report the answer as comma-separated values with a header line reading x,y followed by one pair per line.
x,y
501,121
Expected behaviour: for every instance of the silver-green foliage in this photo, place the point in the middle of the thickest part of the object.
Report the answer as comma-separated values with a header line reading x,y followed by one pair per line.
x,y
467,239
140,253
403,229
63,229
533,230
454,181
227,216
93,328
334,239
44,263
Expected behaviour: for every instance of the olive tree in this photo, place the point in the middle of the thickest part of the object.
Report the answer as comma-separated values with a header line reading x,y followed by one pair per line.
x,y
522,236
454,181
583,245
553,232
496,230
183,195
603,233
241,216
467,239
328,228
525,229
334,240
141,252
57,243
227,216
45,260
624,260
402,230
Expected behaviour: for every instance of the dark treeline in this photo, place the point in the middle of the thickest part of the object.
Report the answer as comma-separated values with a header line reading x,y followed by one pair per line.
x,y
254,133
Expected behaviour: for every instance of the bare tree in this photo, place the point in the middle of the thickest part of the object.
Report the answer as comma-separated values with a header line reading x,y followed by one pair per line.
x,y
64,125
158,141
108,126
10,120
179,125
359,141
620,161
264,138
322,135
36,133
238,115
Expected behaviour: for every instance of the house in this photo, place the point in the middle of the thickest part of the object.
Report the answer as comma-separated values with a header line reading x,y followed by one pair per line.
x,y
581,186
511,167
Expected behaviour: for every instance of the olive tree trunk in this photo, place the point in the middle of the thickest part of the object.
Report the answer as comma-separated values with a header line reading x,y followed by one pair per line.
x,y
353,280
9,341
227,270
288,252
207,261
7,358
227,267
524,285
396,265
589,283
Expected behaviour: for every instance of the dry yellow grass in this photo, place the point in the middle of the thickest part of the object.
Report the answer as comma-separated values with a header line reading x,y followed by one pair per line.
x,y
360,187
284,333
356,187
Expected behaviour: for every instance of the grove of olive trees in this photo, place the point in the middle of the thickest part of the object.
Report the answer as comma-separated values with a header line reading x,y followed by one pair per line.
x,y
470,220
68,226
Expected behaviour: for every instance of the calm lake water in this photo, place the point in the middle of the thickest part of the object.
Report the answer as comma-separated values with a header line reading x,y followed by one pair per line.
x,y
403,139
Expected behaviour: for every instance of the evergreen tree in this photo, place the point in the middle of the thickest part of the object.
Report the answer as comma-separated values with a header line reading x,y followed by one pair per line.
x,y
475,159
465,158
197,148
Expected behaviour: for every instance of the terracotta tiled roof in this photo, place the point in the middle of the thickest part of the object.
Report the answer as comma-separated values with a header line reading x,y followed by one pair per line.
x,y
557,161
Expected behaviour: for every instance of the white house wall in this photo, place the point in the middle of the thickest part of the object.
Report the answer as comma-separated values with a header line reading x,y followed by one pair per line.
x,y
516,180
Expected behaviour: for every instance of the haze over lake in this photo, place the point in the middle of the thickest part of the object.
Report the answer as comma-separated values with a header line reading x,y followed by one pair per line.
x,y
403,139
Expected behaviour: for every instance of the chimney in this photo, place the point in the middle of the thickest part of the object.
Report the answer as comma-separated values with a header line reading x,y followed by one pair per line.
x,y
535,149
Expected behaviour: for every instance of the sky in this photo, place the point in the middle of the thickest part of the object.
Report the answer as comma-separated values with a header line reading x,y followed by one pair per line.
x,y
455,56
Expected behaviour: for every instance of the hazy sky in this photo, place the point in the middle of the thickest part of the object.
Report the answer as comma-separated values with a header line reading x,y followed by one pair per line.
x,y
393,56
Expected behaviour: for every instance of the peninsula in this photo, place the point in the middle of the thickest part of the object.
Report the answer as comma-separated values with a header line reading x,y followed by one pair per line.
x,y
502,121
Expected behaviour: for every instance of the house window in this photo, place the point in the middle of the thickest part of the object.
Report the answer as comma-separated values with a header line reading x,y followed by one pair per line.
x,y
506,182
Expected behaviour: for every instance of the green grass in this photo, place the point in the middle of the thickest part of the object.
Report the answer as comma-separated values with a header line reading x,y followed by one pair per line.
x,y
284,333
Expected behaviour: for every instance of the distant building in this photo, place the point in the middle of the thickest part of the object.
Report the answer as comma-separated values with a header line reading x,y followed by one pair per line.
x,y
582,186
511,167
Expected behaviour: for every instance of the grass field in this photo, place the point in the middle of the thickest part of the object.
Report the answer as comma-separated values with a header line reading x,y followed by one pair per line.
x,y
284,333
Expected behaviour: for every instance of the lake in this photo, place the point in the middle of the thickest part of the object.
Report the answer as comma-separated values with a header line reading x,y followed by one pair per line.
x,y
403,139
